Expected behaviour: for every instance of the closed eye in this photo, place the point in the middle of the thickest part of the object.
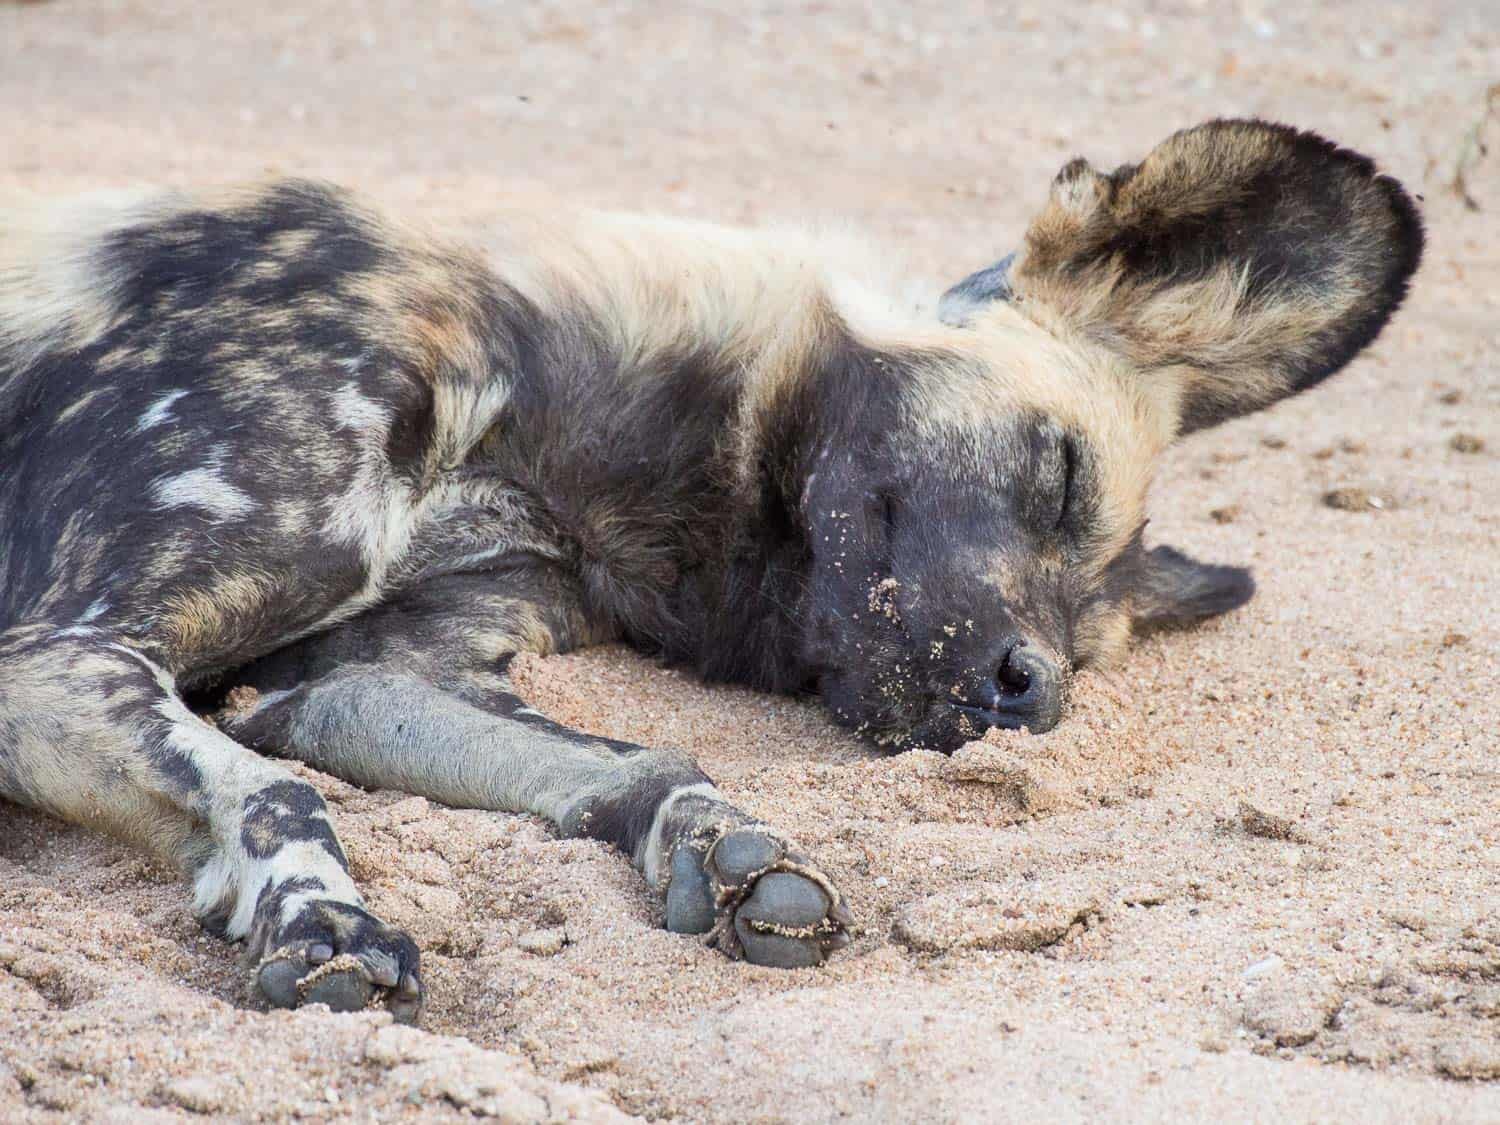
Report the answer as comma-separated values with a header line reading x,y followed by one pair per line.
x,y
1070,458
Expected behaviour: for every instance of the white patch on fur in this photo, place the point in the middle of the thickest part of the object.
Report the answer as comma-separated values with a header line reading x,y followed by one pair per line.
x,y
653,862
158,412
356,411
379,511
470,418
202,488
76,631
229,774
97,608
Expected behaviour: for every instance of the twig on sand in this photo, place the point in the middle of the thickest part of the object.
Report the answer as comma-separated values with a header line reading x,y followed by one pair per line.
x,y
1472,149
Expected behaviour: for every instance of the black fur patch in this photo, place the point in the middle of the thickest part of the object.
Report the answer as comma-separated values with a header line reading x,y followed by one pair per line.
x,y
623,819
287,812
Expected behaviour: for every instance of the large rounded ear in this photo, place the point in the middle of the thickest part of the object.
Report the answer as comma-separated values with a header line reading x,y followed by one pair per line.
x,y
1239,263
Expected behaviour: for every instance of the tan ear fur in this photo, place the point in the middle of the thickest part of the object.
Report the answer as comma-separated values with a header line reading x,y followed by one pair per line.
x,y
1240,262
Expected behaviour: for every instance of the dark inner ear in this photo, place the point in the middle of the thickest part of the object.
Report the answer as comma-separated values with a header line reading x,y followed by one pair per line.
x,y
975,291
1173,591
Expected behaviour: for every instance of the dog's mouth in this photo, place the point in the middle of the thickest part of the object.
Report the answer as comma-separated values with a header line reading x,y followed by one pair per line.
x,y
988,718
951,722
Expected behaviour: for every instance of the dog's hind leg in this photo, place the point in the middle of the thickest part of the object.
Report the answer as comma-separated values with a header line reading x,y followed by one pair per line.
x,y
428,708
93,731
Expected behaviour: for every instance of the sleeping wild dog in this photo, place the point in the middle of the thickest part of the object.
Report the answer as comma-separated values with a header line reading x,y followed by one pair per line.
x,y
268,440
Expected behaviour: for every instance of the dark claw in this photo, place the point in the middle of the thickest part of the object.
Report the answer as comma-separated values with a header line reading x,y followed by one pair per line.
x,y
405,1011
840,913
750,882
345,966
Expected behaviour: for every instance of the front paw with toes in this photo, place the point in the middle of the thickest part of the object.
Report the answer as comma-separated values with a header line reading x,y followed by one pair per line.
x,y
337,954
757,898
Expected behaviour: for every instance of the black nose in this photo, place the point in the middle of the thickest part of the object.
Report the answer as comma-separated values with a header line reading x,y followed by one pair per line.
x,y
1030,687
1026,690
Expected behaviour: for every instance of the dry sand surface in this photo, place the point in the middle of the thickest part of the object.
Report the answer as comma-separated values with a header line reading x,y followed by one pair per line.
x,y
1255,876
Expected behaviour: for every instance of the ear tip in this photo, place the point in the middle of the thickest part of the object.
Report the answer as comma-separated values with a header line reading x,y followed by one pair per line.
x,y
1238,585
1410,229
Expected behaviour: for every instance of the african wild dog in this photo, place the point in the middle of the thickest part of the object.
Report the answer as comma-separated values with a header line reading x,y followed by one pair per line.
x,y
267,440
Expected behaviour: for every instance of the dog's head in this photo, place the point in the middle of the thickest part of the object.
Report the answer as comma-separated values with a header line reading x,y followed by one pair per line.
x,y
976,504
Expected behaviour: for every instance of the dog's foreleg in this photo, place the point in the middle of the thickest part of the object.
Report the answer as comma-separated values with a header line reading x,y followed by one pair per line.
x,y
94,731
721,870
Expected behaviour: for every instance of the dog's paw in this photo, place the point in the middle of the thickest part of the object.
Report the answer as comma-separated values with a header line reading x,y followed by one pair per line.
x,y
337,954
758,899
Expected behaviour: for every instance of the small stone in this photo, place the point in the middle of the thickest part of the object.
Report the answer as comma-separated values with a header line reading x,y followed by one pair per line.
x,y
1267,826
1271,441
1227,514
1453,640
1352,499
1451,397
1144,894
1262,967
1466,443
543,943
1290,1010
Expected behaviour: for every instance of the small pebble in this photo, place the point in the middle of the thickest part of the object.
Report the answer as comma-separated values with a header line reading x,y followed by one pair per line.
x,y
1261,968
1466,443
1352,500
543,943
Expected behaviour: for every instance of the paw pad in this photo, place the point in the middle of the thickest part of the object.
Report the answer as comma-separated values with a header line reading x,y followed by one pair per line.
x,y
756,899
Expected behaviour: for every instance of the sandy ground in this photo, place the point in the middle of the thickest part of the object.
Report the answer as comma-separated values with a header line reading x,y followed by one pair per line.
x,y
1257,875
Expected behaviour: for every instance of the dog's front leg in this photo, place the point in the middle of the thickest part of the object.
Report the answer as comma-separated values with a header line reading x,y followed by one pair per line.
x,y
723,872
94,731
